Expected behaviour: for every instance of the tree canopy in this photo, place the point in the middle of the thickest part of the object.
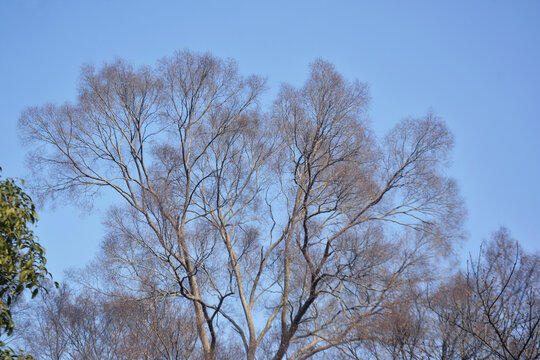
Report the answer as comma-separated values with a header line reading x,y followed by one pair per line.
x,y
290,232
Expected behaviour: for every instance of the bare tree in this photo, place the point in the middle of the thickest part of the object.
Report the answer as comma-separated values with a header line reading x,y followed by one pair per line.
x,y
89,325
492,310
283,230
446,336
503,309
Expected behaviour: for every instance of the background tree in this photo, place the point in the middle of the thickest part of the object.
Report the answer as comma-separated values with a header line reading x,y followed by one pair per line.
x,y
89,325
447,337
22,260
281,230
502,310
489,311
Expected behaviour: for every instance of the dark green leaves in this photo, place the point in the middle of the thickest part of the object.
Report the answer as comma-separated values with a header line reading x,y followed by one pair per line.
x,y
22,261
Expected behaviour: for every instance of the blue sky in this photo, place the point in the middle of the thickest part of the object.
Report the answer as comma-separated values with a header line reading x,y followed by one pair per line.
x,y
475,63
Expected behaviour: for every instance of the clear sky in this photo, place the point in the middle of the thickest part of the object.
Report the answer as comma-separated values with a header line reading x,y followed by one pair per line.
x,y
475,63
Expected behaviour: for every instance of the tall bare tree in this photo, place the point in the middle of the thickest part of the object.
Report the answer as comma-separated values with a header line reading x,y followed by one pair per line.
x,y
287,230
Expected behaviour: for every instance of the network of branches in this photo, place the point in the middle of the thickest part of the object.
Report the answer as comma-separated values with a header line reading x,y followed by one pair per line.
x,y
288,231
